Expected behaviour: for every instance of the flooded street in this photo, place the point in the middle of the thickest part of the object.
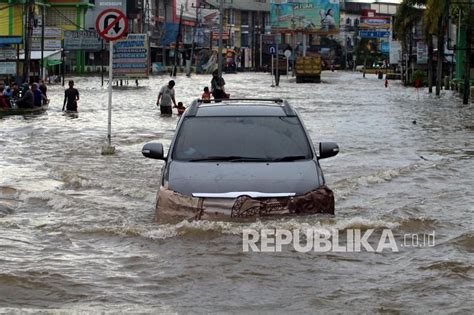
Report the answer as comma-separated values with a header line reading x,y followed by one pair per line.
x,y
77,230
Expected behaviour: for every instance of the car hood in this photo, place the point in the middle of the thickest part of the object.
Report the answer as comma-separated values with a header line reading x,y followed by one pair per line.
x,y
296,177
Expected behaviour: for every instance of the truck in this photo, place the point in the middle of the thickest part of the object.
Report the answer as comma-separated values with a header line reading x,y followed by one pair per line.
x,y
308,69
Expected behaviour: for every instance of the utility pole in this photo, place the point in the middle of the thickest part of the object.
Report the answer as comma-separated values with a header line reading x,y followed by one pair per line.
x,y
42,42
467,64
191,56
28,33
221,30
178,40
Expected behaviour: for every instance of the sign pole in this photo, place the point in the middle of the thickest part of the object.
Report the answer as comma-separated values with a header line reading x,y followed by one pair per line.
x,y
109,149
272,72
111,51
111,24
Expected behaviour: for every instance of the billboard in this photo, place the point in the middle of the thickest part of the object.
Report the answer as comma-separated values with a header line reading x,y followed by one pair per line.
x,y
189,9
309,16
82,40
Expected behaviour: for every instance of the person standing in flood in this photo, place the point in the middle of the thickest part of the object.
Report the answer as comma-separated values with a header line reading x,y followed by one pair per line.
x,y
39,98
165,97
43,88
71,96
217,86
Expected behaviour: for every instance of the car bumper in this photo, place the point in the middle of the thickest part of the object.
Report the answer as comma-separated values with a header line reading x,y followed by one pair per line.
x,y
172,207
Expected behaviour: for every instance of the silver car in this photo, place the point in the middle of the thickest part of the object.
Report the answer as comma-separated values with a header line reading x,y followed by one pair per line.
x,y
241,159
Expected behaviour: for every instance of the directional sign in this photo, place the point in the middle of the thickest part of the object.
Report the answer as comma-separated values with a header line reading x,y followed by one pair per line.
x,y
374,34
111,24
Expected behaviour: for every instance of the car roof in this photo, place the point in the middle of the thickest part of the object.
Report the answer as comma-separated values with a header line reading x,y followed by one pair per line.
x,y
241,107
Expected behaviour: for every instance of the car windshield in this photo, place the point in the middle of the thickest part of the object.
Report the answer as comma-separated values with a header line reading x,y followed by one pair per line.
x,y
240,139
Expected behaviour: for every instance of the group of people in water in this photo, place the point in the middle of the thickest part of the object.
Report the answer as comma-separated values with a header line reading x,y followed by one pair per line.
x,y
34,95
166,97
24,96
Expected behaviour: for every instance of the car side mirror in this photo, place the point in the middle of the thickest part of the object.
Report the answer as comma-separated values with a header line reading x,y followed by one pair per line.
x,y
328,149
153,150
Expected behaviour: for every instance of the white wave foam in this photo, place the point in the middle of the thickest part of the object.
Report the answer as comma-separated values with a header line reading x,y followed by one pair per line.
x,y
345,187
185,227
53,200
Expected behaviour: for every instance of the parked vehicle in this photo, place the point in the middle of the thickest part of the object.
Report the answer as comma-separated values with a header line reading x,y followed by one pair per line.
x,y
241,159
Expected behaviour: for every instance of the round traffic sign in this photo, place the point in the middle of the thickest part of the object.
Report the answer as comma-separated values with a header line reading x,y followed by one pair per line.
x,y
111,24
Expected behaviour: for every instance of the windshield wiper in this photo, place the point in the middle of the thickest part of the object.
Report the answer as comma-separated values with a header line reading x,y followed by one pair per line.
x,y
290,158
232,158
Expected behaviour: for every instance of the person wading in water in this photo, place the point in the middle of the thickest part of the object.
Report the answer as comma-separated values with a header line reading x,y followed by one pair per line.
x,y
71,96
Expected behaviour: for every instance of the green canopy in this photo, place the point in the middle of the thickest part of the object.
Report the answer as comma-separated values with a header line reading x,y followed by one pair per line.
x,y
53,62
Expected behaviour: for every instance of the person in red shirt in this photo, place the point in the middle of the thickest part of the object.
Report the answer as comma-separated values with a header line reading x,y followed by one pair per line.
x,y
3,101
206,96
180,108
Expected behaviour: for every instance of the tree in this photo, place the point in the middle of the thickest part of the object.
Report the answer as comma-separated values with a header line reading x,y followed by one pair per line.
x,y
407,16
436,14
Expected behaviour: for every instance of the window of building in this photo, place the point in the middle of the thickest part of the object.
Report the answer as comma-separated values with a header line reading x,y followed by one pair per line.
x,y
244,18
244,40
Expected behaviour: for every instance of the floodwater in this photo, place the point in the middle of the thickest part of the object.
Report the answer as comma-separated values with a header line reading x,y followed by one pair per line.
x,y
77,230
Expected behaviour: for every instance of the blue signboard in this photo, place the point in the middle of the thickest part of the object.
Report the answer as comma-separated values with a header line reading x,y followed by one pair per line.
x,y
11,40
374,34
384,47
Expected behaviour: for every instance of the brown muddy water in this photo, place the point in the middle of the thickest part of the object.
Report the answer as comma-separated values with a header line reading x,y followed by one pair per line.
x,y
77,231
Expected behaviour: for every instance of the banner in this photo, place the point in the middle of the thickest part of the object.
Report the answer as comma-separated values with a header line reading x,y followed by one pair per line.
x,y
49,44
309,16
374,22
395,52
130,57
7,68
7,53
421,53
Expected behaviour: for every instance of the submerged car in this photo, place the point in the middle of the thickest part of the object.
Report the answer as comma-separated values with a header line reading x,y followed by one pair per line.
x,y
240,159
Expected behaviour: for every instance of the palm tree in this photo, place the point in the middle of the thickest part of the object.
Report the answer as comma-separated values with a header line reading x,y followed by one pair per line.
x,y
428,35
407,16
437,17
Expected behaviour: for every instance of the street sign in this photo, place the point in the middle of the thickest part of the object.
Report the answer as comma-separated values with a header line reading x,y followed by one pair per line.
x,y
272,50
374,34
111,24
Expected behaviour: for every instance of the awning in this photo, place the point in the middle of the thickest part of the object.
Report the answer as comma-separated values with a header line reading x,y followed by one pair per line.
x,y
47,54
53,62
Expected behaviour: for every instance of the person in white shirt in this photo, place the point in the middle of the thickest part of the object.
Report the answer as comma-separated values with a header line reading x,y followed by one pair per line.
x,y
165,97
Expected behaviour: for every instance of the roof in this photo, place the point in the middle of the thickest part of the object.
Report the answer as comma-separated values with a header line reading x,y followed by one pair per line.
x,y
241,107
47,54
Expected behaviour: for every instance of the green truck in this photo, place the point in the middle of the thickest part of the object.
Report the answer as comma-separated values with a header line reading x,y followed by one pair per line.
x,y
308,69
